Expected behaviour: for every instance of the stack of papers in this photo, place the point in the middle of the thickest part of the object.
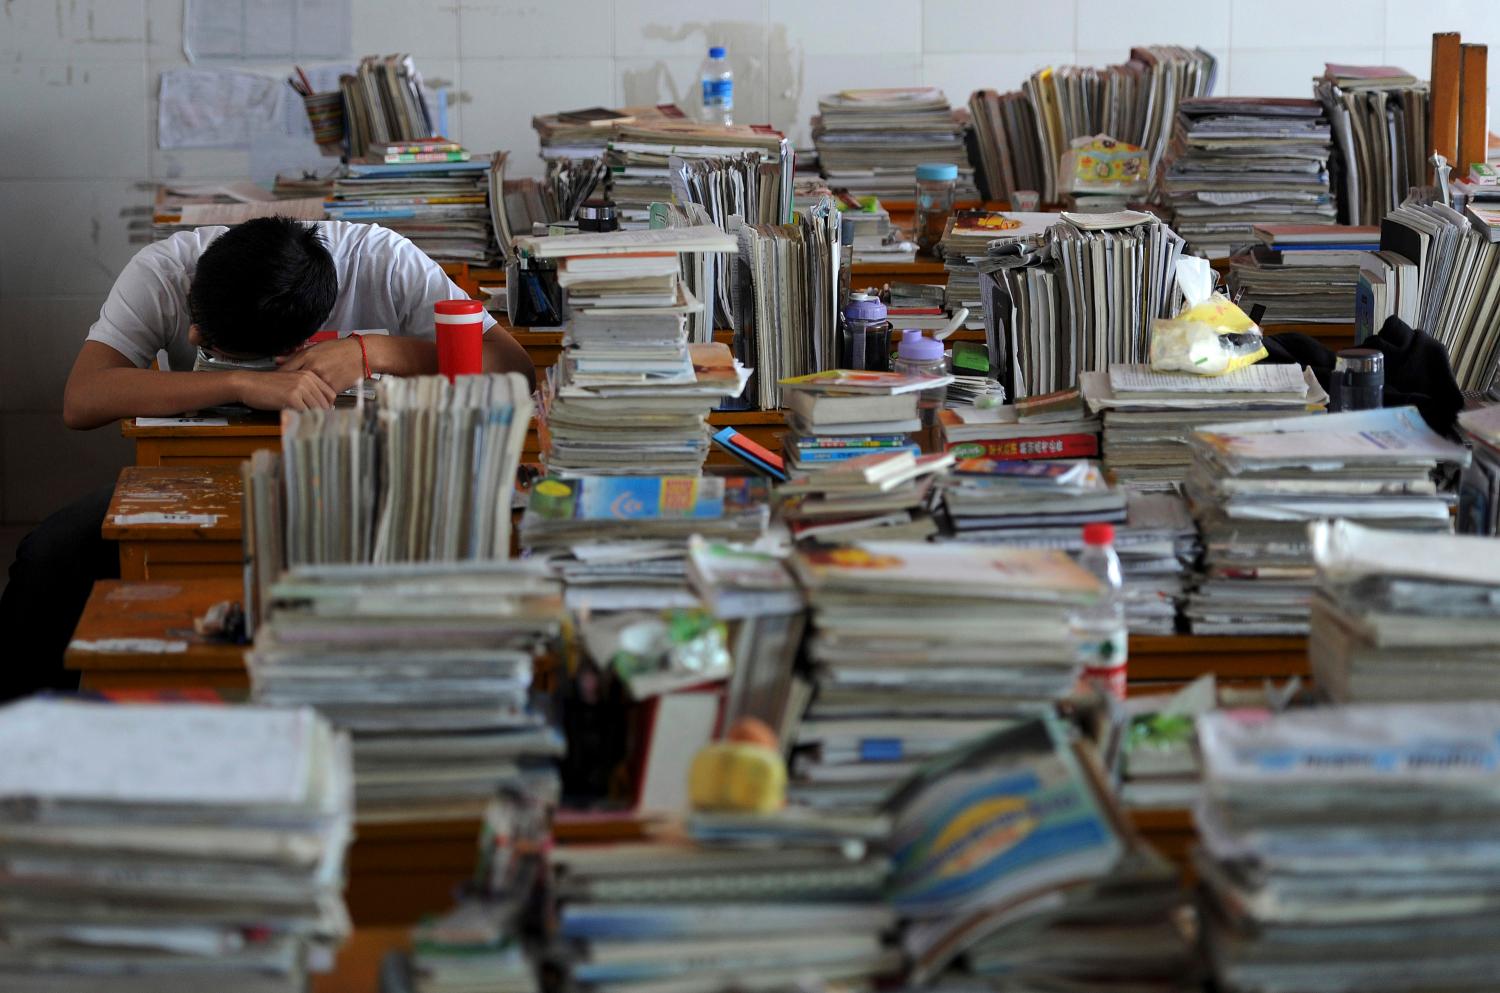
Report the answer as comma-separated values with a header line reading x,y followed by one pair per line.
x,y
842,414
150,847
870,142
988,497
1086,303
882,496
966,245
1236,162
429,667
443,207
630,395
786,898
1066,430
1404,617
1149,416
1300,280
1380,121
1352,848
1256,485
641,173
621,543
585,133
905,632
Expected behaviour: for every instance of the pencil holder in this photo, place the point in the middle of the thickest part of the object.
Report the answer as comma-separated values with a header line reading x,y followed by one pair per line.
x,y
325,112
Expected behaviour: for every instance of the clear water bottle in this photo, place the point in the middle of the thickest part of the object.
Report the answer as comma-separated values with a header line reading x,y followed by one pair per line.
x,y
718,87
1102,635
919,355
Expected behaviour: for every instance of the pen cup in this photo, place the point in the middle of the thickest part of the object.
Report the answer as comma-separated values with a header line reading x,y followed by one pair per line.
x,y
460,337
325,112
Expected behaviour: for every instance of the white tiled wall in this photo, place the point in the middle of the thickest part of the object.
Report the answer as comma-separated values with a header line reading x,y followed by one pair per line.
x,y
77,115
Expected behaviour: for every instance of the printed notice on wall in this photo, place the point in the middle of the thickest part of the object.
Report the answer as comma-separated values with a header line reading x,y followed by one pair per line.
x,y
215,108
280,30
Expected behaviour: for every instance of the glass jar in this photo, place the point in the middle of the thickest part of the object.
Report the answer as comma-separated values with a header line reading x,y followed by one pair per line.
x,y
935,185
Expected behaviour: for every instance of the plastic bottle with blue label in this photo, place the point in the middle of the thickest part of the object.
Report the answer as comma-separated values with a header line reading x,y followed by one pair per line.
x,y
717,80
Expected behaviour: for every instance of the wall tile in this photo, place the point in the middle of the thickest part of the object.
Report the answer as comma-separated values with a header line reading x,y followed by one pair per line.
x,y
1004,26
688,27
535,28
49,466
424,30
66,119
1287,24
501,96
1411,25
1289,74
39,338
77,237
76,30
850,27
961,75
1106,24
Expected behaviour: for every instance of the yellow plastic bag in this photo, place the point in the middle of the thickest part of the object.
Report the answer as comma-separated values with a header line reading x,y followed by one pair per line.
x,y
1210,336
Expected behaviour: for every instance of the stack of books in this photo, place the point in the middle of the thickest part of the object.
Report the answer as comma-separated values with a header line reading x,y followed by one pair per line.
x,y
640,158
1149,416
843,414
442,206
585,133
785,898
384,103
966,245
630,395
870,142
1050,426
1007,138
1256,485
622,542
1106,278
905,635
881,496
1351,847
154,846
1302,274
1380,128
429,668
1236,162
1479,487
1404,617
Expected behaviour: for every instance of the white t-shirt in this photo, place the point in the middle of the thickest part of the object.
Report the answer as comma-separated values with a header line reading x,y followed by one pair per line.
x,y
385,281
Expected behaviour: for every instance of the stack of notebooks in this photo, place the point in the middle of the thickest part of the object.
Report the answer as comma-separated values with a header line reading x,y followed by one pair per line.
x,y
443,207
1090,303
870,142
1021,136
173,846
585,133
1236,162
905,635
630,395
784,898
966,245
784,301
1352,848
1255,486
1051,426
881,496
843,414
1149,416
429,667
1380,129
640,162
183,206
1404,617
385,102
423,474
1479,488
1302,274
621,543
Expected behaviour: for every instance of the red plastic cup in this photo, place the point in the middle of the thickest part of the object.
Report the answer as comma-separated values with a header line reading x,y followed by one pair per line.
x,y
460,337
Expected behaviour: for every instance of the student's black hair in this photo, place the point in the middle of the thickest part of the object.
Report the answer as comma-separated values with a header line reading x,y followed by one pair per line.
x,y
263,287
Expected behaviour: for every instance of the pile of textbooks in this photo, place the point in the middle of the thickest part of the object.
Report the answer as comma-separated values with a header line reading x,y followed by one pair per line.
x,y
1380,127
621,542
429,668
630,395
442,206
786,898
870,142
1255,486
1479,487
905,636
843,414
1236,162
1351,848
640,160
1404,617
386,102
1302,274
966,245
1149,416
585,133
152,846
882,496
1051,426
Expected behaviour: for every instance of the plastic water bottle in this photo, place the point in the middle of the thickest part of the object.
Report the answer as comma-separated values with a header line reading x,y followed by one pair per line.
x,y
1102,634
718,87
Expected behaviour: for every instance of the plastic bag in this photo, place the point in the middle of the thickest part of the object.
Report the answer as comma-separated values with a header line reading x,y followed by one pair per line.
x,y
1210,336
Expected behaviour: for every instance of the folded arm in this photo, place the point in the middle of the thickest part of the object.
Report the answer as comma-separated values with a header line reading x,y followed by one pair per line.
x,y
341,365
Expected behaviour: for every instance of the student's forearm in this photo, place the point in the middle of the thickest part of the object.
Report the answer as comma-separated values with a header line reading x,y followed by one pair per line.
x,y
401,356
106,395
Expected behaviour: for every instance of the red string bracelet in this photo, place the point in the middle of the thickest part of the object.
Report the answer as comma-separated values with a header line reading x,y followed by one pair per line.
x,y
363,354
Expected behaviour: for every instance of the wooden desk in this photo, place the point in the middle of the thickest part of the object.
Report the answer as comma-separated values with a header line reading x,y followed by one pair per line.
x,y
399,873
1169,830
358,967
205,544
203,441
931,271
1162,662
1334,336
139,635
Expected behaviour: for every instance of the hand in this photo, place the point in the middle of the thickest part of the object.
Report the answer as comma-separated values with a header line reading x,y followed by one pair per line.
x,y
282,390
340,363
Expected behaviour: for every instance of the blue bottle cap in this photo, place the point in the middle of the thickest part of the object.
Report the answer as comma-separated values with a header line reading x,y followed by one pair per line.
x,y
717,52
938,171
